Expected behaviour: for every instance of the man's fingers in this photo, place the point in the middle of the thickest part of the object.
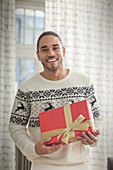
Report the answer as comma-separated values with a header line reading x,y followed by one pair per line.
x,y
42,149
49,149
92,137
45,140
88,138
84,141
54,148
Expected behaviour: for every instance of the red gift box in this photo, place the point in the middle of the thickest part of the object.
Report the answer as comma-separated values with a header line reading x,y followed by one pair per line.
x,y
66,124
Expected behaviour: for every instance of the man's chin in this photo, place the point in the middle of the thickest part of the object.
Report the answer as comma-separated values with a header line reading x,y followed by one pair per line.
x,y
53,69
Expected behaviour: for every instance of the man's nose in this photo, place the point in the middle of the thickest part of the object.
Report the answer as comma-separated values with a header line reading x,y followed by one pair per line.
x,y
50,53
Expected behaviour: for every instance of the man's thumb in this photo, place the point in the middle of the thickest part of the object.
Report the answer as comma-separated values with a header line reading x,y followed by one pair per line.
x,y
97,132
45,140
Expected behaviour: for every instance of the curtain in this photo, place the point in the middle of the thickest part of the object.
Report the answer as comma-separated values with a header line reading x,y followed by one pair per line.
x,y
7,81
86,28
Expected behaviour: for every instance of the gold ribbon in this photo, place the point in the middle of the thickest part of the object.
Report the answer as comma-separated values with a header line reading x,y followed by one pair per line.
x,y
68,133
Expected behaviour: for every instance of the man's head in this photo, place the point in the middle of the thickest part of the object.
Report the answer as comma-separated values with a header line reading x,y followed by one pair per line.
x,y
50,51
46,33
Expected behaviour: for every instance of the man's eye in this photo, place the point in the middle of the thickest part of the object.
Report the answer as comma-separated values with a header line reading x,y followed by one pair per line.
x,y
56,48
44,50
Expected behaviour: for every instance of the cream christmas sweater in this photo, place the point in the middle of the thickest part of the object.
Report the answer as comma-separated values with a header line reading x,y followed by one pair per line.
x,y
37,95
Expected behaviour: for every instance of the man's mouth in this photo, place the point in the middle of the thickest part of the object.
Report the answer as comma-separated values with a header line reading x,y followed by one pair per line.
x,y
52,60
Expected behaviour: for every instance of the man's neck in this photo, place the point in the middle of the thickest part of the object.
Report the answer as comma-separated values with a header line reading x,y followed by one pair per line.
x,y
55,75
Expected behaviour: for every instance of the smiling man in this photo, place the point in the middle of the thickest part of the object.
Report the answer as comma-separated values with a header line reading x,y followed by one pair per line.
x,y
50,89
50,52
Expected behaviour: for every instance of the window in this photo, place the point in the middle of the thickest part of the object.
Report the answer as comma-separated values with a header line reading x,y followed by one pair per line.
x,y
24,69
29,25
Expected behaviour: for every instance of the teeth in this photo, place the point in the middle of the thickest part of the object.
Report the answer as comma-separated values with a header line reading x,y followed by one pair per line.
x,y
52,60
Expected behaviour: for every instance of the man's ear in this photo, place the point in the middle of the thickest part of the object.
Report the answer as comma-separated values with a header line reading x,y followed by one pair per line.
x,y
63,52
37,53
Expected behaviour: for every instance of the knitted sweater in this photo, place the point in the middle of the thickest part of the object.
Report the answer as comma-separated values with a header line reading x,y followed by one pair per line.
x,y
37,95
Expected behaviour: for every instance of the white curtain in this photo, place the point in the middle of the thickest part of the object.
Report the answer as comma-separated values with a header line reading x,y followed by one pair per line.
x,y
7,81
86,27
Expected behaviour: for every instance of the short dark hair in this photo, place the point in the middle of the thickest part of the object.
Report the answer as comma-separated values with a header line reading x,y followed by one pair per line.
x,y
45,34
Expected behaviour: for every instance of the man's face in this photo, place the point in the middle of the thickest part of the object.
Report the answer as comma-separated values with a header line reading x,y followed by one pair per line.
x,y
51,52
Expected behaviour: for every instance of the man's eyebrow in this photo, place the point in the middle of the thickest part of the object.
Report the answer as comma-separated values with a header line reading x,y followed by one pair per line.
x,y
55,45
44,47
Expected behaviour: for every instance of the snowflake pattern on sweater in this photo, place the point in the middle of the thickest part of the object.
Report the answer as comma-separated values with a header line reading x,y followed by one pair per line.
x,y
28,105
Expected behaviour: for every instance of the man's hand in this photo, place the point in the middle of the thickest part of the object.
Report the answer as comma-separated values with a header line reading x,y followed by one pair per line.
x,y
42,149
89,138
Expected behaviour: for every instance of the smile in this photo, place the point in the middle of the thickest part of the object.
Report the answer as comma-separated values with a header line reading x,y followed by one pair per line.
x,y
52,60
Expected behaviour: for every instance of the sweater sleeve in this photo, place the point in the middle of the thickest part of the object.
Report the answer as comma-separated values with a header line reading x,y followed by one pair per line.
x,y
22,140
17,126
93,101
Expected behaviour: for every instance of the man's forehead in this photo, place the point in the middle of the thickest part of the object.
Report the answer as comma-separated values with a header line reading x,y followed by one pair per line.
x,y
49,40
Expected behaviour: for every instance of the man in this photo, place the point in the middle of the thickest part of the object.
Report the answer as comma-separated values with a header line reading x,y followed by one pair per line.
x,y
52,88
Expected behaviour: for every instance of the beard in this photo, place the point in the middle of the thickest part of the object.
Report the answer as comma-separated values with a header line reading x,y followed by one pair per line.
x,y
52,67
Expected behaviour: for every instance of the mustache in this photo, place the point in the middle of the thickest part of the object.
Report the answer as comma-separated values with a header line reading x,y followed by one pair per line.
x,y
50,57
